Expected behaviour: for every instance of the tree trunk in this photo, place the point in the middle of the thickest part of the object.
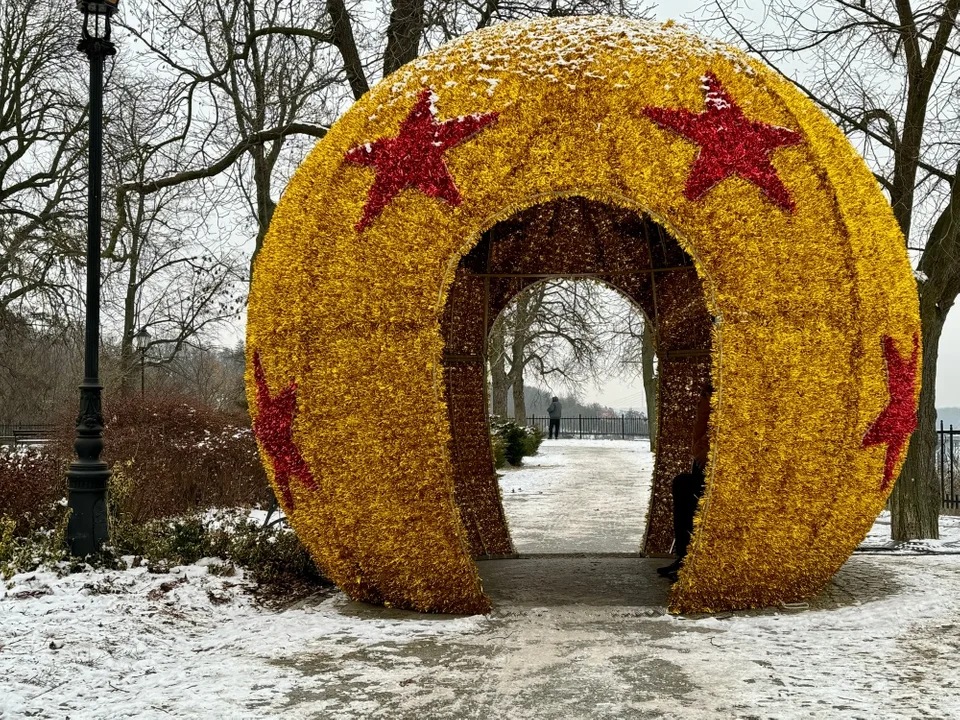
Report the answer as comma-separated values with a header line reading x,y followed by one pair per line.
x,y
128,367
916,499
647,354
519,403
128,359
262,171
523,317
347,45
499,382
403,34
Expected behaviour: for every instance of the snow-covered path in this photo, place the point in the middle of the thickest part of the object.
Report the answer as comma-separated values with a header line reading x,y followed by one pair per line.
x,y
569,638
579,496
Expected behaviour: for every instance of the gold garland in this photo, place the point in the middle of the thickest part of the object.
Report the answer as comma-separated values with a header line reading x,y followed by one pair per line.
x,y
344,303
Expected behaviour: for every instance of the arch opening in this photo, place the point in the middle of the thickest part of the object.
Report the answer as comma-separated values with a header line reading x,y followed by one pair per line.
x,y
573,331
575,495
571,237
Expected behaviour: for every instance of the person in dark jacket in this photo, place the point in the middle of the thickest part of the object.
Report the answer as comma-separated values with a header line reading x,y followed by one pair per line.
x,y
554,411
688,487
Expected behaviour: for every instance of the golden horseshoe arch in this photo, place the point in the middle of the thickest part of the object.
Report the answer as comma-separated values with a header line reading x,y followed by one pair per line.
x,y
814,352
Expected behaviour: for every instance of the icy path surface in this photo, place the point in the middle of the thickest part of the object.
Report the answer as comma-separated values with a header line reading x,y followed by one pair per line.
x,y
568,638
579,496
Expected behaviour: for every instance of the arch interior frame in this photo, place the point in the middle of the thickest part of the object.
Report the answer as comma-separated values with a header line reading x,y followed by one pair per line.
x,y
637,263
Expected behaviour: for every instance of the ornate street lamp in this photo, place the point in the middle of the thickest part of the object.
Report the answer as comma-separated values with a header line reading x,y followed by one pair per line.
x,y
142,341
88,474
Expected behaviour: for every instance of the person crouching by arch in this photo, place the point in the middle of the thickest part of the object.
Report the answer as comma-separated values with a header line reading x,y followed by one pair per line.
x,y
554,410
688,487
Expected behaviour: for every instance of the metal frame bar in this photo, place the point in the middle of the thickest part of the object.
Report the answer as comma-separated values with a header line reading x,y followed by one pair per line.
x,y
609,273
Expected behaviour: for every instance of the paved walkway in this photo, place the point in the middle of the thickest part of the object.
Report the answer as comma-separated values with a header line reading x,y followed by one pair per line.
x,y
589,638
579,496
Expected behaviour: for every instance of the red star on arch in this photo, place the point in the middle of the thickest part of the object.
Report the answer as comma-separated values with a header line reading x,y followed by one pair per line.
x,y
899,418
274,429
414,158
730,144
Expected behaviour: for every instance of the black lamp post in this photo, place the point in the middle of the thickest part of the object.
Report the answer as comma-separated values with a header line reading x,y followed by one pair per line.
x,y
88,474
141,341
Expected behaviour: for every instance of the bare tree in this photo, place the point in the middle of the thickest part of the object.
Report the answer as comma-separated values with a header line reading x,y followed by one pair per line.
x,y
497,362
887,72
39,367
166,270
41,159
445,20
551,331
259,77
650,380
252,75
214,376
629,337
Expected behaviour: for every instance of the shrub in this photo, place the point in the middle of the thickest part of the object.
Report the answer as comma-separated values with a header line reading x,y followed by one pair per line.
x,y
171,462
513,436
273,556
24,552
532,440
499,451
176,457
517,441
32,481
168,458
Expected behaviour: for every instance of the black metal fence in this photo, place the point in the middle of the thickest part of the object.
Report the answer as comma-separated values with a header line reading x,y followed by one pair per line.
x,y
578,426
26,433
948,465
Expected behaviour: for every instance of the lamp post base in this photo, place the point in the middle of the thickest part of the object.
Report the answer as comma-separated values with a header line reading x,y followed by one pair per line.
x,y
87,478
87,528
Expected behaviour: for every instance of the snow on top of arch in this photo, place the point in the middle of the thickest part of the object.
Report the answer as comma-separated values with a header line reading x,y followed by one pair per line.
x,y
563,50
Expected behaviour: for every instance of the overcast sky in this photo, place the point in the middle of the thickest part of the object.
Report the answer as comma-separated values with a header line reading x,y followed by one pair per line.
x,y
619,394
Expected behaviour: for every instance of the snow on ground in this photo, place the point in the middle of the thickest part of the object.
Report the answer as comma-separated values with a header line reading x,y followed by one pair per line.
x,y
570,498
879,538
568,638
184,644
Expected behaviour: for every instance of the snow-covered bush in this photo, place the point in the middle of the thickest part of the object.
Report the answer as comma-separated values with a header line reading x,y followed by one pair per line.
x,y
168,457
499,450
532,440
25,551
175,457
32,481
271,556
516,441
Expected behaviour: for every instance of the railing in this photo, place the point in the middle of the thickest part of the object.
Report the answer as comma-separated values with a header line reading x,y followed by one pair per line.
x,y
579,426
948,465
27,434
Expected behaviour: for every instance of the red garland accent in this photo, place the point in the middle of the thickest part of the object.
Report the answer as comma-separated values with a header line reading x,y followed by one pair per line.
x,y
414,158
730,144
899,418
274,429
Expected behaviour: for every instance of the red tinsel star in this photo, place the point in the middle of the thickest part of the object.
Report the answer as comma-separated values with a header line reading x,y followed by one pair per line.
x,y
730,144
899,418
414,158
274,429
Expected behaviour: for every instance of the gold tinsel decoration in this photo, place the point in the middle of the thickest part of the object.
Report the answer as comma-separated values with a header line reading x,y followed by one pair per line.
x,y
799,263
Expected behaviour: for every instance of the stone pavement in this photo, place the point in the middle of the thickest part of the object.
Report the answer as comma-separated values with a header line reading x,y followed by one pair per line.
x,y
589,637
